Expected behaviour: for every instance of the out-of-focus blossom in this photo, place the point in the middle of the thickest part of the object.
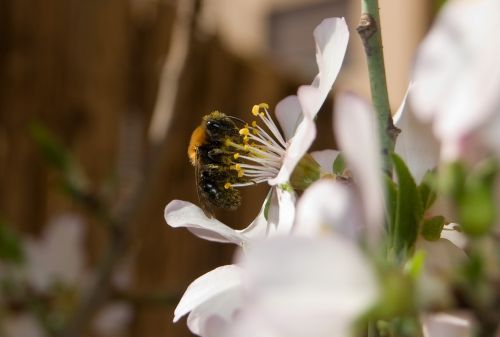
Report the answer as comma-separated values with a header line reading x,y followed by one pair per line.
x,y
446,325
17,325
357,138
113,319
299,286
416,144
458,79
58,256
315,283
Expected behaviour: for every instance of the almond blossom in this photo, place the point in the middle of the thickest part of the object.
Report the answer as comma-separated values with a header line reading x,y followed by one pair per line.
x,y
458,78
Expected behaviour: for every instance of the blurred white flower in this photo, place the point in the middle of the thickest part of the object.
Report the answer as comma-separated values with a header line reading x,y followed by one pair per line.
x,y
113,319
356,133
58,256
446,325
458,79
299,286
21,325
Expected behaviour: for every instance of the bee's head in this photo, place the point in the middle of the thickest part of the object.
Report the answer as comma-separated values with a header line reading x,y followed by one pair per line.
x,y
218,125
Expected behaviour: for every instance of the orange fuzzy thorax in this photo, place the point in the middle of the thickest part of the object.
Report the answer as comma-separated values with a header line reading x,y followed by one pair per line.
x,y
198,137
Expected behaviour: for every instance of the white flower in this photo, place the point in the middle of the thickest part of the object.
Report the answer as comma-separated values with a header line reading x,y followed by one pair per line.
x,y
263,156
58,256
458,76
315,283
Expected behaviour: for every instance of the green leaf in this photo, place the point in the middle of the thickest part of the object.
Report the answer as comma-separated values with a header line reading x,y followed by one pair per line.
x,y
53,151
431,228
415,265
476,209
10,245
408,210
338,166
427,190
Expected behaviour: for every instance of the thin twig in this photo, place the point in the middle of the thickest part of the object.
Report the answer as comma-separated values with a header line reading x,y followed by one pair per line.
x,y
370,33
120,223
171,71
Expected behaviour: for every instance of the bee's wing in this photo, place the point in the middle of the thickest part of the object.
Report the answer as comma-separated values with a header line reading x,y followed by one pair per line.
x,y
205,206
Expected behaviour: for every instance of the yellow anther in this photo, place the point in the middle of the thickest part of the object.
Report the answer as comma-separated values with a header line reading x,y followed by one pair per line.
x,y
241,173
264,106
237,167
227,185
261,114
246,147
254,124
245,139
236,155
255,132
255,110
244,132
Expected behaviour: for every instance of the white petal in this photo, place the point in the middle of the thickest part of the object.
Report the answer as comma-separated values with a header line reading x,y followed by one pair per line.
x,y
446,325
416,143
327,207
281,212
180,213
207,287
289,114
297,148
58,256
308,287
325,159
449,233
331,38
357,139
450,257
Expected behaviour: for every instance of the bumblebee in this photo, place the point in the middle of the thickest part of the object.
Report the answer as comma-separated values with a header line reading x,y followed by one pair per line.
x,y
214,162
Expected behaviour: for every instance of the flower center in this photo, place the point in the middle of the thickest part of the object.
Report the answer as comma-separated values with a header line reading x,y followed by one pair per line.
x,y
259,156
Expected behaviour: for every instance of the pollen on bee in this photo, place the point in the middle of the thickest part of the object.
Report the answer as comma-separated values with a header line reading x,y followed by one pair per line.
x,y
227,185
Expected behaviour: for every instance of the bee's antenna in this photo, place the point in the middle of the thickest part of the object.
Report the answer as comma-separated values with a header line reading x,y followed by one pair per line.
x,y
238,119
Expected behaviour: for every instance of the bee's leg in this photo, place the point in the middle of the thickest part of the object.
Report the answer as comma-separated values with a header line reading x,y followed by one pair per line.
x,y
219,155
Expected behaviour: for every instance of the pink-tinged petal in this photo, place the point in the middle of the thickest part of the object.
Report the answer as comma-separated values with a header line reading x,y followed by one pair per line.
x,y
281,213
306,287
222,283
325,159
289,115
331,37
58,256
416,143
180,213
297,148
446,325
357,138
328,207
459,75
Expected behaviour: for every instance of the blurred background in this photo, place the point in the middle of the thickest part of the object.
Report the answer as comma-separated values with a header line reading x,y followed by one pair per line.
x,y
98,99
